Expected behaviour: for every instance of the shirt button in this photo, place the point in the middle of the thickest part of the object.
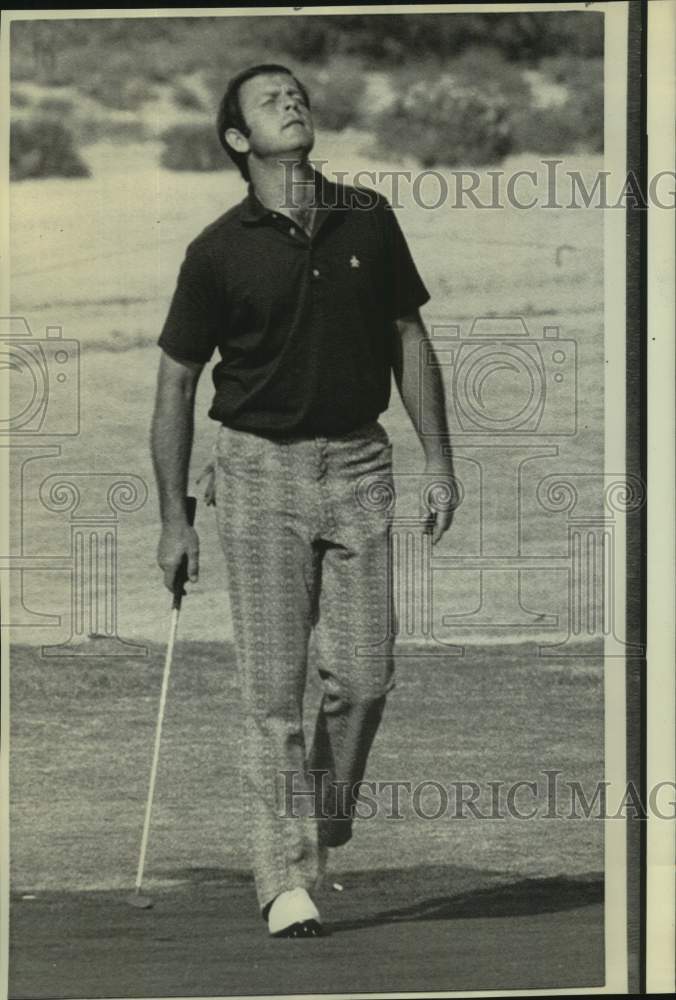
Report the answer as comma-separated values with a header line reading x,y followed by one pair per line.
x,y
315,272
292,231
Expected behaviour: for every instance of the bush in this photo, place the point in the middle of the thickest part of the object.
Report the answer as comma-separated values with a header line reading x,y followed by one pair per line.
x,y
186,98
193,147
18,99
447,122
117,90
336,93
561,129
43,148
70,50
55,105
306,39
486,64
575,124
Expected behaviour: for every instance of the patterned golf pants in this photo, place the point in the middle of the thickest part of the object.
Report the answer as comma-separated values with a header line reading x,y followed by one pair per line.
x,y
305,528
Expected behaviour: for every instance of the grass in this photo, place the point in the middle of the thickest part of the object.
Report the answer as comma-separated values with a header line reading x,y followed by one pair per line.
x,y
82,736
440,928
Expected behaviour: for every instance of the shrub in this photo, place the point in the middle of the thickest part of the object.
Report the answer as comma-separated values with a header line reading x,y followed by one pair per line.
x,y
575,124
336,94
117,90
488,65
572,71
43,148
305,39
55,105
186,98
193,147
18,99
556,130
70,50
447,122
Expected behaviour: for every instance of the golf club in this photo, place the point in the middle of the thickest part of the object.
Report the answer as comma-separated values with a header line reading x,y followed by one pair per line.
x,y
137,899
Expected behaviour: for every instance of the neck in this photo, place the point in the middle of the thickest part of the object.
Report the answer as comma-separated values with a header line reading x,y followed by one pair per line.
x,y
282,185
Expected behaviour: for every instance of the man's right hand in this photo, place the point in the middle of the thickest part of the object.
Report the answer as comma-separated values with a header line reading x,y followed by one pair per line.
x,y
178,540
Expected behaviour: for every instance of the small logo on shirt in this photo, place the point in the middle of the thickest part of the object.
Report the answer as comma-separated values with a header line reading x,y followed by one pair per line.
x,y
354,261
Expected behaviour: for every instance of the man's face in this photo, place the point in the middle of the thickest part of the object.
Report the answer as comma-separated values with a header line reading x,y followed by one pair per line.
x,y
278,118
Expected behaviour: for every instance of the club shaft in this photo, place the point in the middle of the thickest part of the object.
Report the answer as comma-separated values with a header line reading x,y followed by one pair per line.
x,y
156,750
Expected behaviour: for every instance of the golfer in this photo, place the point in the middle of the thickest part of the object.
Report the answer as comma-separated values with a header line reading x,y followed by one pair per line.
x,y
309,293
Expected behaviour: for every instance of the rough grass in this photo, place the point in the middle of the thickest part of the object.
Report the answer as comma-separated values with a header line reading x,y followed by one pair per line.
x,y
82,735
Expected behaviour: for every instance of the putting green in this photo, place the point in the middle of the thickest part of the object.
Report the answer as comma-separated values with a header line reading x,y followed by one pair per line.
x,y
426,928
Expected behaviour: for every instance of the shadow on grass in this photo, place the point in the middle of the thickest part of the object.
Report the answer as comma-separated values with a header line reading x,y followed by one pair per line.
x,y
436,892
526,897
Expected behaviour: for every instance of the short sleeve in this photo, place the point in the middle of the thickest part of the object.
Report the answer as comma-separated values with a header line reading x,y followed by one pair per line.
x,y
407,291
190,329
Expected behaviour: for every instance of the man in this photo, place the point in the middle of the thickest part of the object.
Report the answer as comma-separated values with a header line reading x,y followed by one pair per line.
x,y
309,292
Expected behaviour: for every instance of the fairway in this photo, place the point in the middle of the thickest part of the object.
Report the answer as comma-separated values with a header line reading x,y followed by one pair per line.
x,y
455,901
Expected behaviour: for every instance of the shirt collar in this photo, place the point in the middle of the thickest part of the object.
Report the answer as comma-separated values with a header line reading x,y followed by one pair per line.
x,y
326,197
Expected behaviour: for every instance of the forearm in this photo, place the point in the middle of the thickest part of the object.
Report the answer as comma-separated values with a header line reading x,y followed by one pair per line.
x,y
421,388
171,445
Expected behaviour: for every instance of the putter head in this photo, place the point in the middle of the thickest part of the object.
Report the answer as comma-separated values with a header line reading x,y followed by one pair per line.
x,y
140,902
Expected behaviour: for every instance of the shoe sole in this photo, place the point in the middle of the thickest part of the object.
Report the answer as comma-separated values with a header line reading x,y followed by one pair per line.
x,y
301,929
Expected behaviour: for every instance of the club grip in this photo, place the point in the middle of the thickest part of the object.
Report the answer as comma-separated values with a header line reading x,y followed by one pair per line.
x,y
181,576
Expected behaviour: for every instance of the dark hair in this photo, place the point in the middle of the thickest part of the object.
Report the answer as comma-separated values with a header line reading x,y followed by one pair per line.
x,y
230,112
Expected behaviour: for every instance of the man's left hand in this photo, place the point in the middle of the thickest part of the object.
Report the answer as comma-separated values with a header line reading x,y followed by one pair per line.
x,y
441,496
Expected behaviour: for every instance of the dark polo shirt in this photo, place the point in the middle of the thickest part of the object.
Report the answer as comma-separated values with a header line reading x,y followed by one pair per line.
x,y
304,326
